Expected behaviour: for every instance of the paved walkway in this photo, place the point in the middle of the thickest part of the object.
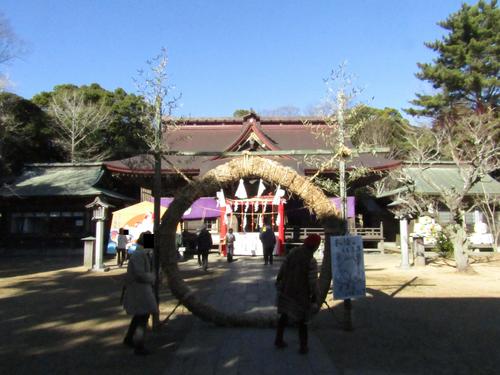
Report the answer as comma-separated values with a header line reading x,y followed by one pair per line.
x,y
244,285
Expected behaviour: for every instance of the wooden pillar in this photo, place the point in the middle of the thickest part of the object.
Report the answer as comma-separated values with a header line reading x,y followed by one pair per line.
x,y
222,231
403,234
281,228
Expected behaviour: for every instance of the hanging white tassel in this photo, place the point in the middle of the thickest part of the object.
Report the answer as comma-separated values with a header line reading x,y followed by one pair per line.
x,y
221,199
241,191
277,195
261,188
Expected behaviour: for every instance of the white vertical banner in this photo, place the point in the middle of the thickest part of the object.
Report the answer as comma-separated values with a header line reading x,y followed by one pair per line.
x,y
348,267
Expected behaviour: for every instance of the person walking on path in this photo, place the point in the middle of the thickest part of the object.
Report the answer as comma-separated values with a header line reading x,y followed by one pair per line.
x,y
230,238
139,299
121,247
204,243
298,291
268,240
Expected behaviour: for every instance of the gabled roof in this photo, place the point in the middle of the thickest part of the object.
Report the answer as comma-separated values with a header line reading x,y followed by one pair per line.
x,y
59,179
446,176
231,134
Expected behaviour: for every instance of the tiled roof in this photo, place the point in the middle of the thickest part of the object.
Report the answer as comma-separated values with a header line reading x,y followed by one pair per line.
x,y
59,179
443,177
224,134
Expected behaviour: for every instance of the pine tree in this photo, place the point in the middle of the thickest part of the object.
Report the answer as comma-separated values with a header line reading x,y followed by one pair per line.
x,y
466,72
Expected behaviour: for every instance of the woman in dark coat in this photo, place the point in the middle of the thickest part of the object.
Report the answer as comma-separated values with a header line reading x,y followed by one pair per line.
x,y
297,286
139,299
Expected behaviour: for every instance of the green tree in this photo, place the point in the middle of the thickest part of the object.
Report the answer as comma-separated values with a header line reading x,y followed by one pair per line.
x,y
379,128
241,112
466,71
122,137
25,134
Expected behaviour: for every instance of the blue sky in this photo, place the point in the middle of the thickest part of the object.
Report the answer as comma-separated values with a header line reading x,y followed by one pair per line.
x,y
225,54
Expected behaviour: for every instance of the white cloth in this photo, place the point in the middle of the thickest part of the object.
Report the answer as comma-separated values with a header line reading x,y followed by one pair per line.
x,y
277,195
221,199
241,191
261,188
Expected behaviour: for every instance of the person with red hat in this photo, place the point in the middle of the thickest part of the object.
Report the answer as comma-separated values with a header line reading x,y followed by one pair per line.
x,y
298,291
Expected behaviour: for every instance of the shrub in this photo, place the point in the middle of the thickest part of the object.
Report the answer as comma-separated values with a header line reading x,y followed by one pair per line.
x,y
444,245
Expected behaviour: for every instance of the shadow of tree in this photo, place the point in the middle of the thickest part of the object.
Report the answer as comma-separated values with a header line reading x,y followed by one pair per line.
x,y
414,335
60,320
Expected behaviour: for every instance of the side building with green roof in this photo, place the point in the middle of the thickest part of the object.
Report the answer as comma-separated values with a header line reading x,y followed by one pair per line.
x,y
43,209
429,183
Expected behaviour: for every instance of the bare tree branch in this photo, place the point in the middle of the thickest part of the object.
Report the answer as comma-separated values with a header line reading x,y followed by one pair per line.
x,y
11,47
470,141
76,122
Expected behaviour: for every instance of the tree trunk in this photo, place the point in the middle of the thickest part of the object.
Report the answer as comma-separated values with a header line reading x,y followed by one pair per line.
x,y
460,248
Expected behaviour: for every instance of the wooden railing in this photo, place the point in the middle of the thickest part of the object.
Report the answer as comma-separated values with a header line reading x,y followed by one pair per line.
x,y
369,233
376,234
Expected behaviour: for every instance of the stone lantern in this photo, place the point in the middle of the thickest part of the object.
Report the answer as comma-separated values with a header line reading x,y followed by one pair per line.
x,y
99,212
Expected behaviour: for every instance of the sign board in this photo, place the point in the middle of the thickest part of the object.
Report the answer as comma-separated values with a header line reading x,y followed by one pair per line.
x,y
348,267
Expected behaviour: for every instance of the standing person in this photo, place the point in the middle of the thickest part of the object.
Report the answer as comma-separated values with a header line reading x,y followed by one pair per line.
x,y
139,299
298,291
178,245
230,238
204,243
121,247
268,240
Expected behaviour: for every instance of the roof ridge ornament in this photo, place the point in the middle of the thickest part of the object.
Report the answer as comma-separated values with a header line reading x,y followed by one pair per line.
x,y
252,117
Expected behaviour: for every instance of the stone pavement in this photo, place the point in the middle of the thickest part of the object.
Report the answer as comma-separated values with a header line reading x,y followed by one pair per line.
x,y
246,285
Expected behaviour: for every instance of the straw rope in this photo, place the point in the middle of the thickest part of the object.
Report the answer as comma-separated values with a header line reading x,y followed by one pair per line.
x,y
220,177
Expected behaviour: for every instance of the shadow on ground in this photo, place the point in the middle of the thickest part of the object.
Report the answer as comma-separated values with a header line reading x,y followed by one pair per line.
x,y
59,319
414,335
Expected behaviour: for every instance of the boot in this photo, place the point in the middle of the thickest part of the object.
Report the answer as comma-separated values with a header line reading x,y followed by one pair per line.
x,y
280,330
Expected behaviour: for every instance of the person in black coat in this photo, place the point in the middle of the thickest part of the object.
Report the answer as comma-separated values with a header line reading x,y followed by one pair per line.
x,y
298,290
268,240
204,244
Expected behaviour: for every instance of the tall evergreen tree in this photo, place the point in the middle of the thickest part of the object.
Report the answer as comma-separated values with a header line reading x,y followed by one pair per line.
x,y
25,135
466,72
374,127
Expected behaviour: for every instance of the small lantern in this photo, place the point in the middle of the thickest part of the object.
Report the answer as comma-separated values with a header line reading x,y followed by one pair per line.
x,y
99,208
